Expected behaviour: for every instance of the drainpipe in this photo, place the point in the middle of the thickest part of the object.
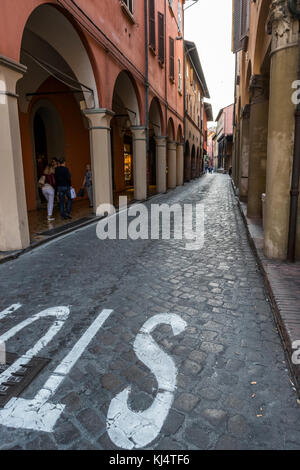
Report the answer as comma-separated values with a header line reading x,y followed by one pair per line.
x,y
146,85
165,64
184,92
292,4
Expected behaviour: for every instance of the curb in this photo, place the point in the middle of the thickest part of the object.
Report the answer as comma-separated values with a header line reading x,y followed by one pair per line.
x,y
34,245
283,332
31,247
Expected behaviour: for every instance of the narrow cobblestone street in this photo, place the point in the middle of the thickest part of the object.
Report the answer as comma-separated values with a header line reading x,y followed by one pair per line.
x,y
233,387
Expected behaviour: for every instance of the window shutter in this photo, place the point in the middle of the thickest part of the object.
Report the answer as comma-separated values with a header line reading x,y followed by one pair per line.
x,y
129,4
171,52
240,24
236,46
161,38
152,24
179,17
245,18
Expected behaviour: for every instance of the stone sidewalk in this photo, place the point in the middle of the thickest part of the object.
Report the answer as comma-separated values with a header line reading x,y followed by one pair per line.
x,y
283,282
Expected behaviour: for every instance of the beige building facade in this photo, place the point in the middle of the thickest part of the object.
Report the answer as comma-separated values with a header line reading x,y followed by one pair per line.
x,y
195,121
265,41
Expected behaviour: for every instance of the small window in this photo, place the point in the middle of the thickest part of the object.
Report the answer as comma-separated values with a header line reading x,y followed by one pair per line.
x,y
129,4
161,39
152,24
171,54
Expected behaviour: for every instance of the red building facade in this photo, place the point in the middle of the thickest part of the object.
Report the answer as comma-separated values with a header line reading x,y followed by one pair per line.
x,y
90,81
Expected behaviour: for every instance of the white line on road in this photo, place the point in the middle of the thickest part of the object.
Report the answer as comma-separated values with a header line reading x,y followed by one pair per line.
x,y
60,313
38,414
9,310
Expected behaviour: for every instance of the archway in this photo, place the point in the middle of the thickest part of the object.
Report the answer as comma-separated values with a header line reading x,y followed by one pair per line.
x,y
193,162
179,157
126,108
171,155
59,83
154,166
187,162
47,139
198,169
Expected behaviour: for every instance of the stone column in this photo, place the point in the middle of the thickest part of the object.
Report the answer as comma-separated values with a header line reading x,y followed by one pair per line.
x,y
161,163
284,62
171,165
244,154
99,120
14,231
139,162
258,133
179,163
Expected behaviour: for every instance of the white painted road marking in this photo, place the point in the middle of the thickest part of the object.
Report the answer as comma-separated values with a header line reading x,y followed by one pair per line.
x,y
60,313
9,310
126,428
38,414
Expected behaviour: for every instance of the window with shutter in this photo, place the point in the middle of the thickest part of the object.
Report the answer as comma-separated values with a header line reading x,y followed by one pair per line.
x,y
129,4
171,53
179,18
152,24
161,38
240,24
245,10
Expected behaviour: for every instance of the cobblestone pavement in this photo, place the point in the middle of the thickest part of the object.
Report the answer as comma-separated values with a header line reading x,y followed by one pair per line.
x,y
233,388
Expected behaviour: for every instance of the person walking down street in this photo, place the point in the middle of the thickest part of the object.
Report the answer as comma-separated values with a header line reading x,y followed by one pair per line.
x,y
63,184
47,184
88,183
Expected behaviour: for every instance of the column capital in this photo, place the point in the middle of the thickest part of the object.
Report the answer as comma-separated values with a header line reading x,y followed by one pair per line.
x,y
172,144
138,132
161,140
12,65
246,112
180,144
259,89
10,72
281,25
99,118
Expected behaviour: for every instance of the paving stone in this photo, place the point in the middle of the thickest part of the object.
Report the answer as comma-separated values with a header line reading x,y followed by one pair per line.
x,y
190,367
198,356
238,426
90,421
197,436
173,423
186,402
168,444
110,381
72,401
227,442
215,417
212,347
66,433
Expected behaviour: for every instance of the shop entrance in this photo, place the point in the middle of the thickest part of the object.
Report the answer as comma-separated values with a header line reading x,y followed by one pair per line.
x,y
125,107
